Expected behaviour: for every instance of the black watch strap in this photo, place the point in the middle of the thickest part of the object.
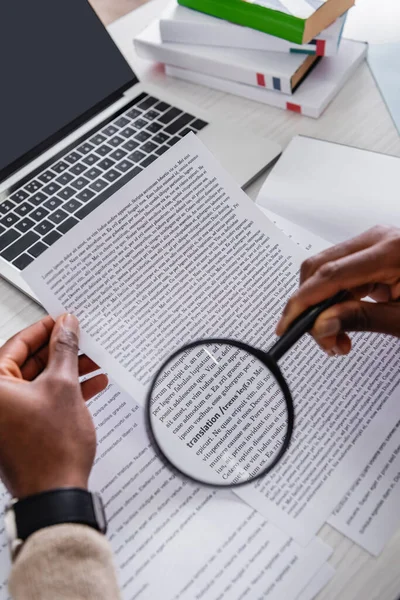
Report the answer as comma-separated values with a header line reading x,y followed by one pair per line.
x,y
56,507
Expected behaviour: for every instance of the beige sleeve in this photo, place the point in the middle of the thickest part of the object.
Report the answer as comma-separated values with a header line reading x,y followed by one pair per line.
x,y
64,562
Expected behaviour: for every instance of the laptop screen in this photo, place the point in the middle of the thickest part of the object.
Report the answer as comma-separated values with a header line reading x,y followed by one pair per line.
x,y
58,66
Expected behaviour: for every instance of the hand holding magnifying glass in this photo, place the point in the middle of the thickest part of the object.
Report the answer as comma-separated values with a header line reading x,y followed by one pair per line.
x,y
220,411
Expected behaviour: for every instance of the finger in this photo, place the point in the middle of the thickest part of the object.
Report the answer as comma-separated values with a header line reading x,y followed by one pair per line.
x,y
334,345
38,362
356,244
64,347
365,267
94,386
358,316
27,342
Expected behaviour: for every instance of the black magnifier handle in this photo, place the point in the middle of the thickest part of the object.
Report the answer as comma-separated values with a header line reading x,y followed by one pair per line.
x,y
303,324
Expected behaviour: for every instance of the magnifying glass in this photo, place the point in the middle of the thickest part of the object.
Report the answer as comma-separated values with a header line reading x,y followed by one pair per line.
x,y
220,413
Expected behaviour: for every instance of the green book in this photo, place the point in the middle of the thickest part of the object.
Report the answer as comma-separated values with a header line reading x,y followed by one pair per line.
x,y
298,21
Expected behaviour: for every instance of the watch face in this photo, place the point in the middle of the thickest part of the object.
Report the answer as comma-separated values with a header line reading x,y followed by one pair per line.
x,y
99,512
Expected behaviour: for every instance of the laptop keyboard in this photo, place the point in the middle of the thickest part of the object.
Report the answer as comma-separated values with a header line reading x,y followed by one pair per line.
x,y
76,182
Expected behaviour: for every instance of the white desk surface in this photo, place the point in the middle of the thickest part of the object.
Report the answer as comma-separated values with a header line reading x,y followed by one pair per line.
x,y
357,117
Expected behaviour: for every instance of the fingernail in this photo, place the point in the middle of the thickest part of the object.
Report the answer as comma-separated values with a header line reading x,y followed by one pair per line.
x,y
71,323
328,327
330,353
337,350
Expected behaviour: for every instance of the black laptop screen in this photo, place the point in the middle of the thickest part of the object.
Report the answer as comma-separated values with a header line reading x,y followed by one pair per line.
x,y
58,66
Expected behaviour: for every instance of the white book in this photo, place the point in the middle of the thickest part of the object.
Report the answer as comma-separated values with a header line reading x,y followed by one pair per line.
x,y
310,99
260,69
186,26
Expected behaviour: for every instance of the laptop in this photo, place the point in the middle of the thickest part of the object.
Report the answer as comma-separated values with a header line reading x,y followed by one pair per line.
x,y
76,125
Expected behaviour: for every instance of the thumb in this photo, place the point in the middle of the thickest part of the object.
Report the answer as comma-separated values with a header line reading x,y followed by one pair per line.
x,y
358,316
64,347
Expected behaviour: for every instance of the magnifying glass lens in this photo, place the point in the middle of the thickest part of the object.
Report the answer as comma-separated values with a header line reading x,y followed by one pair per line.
x,y
218,414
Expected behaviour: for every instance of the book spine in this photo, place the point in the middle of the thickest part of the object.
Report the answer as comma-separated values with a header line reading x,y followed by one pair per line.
x,y
235,36
244,91
169,55
254,16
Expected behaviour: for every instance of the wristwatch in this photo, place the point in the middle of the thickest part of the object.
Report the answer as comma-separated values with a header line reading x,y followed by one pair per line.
x,y
55,507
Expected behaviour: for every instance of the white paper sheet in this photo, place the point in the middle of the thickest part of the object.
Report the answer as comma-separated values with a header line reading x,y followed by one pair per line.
x,y
197,258
333,191
317,584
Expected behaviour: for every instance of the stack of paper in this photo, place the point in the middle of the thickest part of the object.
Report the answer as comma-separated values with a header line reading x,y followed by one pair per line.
x,y
236,59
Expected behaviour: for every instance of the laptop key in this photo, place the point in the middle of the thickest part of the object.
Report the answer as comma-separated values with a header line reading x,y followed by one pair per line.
x,y
133,113
154,127
9,219
60,167
124,166
37,249
66,193
22,261
80,183
78,169
140,123
186,131
116,141
91,159
130,145
103,150
3,229
8,238
179,124
67,225
51,237
46,176
98,185
151,115
198,124
19,196
110,130
58,216
52,203
37,198
52,188
112,175
6,206
122,122
161,150
170,115
98,139
160,138
86,148
148,160
39,214
118,154
106,164
93,173
149,101
136,156
162,106
23,209
25,225
33,186
85,195
173,141
73,158
44,227
18,247
65,178
128,132
143,136
148,147
72,205
136,171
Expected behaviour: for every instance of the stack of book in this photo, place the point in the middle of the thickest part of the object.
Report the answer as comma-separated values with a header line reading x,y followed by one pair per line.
x,y
285,53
